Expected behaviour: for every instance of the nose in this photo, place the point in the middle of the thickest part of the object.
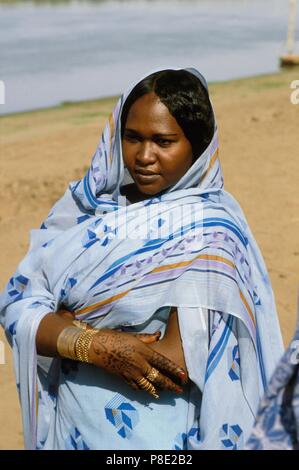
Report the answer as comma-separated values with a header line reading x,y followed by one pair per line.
x,y
146,154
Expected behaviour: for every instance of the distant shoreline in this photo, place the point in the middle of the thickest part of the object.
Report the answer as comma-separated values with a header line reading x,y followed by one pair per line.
x,y
256,81
3,2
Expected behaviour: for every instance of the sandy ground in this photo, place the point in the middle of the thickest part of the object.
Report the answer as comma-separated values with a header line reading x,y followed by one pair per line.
x,y
41,151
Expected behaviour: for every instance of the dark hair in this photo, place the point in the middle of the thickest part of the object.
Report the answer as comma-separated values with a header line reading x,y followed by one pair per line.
x,y
187,101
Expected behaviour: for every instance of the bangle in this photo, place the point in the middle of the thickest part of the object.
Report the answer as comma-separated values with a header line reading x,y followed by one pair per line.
x,y
80,324
66,342
83,344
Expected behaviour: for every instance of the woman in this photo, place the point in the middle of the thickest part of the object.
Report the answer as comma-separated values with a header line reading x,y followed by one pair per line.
x,y
167,250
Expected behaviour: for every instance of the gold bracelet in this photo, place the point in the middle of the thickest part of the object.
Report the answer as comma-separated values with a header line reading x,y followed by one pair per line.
x,y
80,324
66,342
83,344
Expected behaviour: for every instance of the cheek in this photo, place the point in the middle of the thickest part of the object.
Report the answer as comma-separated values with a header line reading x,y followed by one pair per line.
x,y
177,163
127,154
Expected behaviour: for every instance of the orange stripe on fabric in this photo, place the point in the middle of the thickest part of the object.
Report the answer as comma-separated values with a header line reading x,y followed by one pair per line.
x,y
156,270
247,306
103,302
185,263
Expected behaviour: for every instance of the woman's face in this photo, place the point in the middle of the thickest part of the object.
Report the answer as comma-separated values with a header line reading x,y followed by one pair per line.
x,y
155,149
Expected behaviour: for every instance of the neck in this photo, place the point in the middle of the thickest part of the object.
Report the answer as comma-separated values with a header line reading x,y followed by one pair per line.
x,y
133,194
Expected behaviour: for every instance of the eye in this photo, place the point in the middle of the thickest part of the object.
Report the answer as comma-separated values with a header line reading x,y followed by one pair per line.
x,y
131,138
164,142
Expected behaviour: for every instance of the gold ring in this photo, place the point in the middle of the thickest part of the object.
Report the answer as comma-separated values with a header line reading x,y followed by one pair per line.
x,y
152,375
142,382
147,386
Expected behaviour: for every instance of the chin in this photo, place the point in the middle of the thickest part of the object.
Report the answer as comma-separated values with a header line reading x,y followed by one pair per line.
x,y
146,189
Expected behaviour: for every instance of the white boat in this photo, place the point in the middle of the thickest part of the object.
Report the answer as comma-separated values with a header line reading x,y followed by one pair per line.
x,y
291,58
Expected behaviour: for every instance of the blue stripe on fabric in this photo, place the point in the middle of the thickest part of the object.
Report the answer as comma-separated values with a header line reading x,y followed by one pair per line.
x,y
91,198
113,270
224,340
261,362
105,152
167,280
225,223
87,190
215,176
105,276
158,243
181,232
213,222
114,266
137,252
228,221
216,348
106,160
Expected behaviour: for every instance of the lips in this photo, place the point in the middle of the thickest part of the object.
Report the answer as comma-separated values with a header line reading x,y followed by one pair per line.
x,y
146,172
146,177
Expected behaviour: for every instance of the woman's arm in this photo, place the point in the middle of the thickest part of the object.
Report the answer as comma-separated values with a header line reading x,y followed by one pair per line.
x,y
48,331
116,352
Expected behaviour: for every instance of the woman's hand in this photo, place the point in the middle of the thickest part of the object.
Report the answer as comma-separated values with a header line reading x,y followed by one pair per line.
x,y
125,355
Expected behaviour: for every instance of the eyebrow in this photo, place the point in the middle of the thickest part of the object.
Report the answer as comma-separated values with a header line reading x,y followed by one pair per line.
x,y
160,134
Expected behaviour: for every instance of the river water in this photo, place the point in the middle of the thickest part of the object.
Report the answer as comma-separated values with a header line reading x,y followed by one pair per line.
x,y
77,50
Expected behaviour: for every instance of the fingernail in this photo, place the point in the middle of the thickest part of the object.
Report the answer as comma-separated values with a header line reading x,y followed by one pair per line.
x,y
179,390
182,374
156,396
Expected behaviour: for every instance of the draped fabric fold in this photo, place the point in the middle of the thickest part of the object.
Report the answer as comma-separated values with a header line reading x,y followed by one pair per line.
x,y
277,422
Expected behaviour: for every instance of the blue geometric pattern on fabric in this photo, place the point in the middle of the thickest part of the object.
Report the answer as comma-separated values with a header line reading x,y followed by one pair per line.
x,y
71,282
110,234
231,437
89,238
48,243
82,218
194,433
256,298
122,415
75,441
35,304
17,285
234,363
12,328
181,439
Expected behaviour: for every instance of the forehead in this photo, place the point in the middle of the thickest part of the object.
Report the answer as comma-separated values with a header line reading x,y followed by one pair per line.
x,y
149,114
